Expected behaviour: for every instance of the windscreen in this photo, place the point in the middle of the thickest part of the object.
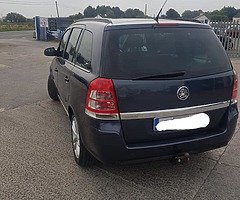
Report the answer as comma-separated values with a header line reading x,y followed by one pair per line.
x,y
134,53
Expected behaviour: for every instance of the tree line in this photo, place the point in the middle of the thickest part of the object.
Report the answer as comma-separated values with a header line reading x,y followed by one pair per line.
x,y
109,12
225,14
89,12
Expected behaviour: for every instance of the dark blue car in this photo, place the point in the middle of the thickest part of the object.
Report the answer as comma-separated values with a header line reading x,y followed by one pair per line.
x,y
137,89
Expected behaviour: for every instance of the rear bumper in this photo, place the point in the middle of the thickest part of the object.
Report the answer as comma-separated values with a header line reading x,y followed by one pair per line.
x,y
107,144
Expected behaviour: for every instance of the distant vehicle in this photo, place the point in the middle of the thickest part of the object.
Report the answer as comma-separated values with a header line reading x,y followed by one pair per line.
x,y
50,35
58,34
233,31
137,89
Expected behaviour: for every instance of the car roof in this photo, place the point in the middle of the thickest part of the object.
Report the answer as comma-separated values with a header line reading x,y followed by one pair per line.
x,y
130,21
137,21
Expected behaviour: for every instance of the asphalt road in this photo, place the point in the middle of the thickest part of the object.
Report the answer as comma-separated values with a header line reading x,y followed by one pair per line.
x,y
36,160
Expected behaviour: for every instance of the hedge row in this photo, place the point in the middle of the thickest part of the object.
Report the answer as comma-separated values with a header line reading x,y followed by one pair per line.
x,y
15,27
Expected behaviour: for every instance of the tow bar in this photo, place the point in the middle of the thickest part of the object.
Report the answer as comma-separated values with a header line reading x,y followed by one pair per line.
x,y
181,159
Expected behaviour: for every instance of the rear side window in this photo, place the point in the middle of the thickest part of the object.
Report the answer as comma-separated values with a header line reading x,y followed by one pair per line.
x,y
84,54
137,53
63,42
70,52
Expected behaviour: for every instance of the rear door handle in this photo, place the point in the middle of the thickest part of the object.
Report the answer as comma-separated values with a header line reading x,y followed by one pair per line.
x,y
66,79
56,69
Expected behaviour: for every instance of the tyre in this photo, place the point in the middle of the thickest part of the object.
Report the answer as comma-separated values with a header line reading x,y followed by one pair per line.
x,y
52,90
81,154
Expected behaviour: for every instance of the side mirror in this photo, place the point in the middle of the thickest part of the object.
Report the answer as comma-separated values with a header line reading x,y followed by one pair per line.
x,y
50,52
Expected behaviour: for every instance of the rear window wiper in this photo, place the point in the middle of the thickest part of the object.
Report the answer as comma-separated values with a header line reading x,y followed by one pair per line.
x,y
161,76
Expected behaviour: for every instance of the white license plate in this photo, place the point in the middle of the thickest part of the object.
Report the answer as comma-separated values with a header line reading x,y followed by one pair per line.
x,y
193,122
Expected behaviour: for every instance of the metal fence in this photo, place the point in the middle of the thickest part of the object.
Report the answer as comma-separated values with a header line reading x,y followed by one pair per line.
x,y
229,35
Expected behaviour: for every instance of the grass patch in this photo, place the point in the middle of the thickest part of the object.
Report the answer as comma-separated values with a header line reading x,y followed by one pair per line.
x,y
16,27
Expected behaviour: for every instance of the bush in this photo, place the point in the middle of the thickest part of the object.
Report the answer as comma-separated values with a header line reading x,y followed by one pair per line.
x,y
16,27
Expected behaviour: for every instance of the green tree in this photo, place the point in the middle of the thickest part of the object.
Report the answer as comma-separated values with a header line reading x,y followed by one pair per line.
x,y
134,13
77,16
218,18
15,18
118,12
101,10
172,14
230,12
105,11
110,13
90,12
217,15
188,14
163,17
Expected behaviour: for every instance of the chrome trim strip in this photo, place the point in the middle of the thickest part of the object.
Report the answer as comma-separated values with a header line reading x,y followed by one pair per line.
x,y
102,117
77,66
174,112
83,69
69,62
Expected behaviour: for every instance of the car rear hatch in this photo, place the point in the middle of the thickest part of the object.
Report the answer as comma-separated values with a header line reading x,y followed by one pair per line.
x,y
165,73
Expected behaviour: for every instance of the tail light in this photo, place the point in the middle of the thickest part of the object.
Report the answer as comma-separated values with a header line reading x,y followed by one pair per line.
x,y
235,89
101,101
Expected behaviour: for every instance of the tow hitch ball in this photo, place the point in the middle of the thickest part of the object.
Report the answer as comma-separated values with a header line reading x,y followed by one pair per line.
x,y
181,158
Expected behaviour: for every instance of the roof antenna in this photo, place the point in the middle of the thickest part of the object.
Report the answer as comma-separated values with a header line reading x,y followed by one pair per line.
x,y
160,12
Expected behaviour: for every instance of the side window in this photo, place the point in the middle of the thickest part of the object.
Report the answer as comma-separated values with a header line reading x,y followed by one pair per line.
x,y
70,52
84,54
63,42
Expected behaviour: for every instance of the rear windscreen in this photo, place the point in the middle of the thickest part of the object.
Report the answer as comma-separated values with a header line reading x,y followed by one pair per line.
x,y
134,53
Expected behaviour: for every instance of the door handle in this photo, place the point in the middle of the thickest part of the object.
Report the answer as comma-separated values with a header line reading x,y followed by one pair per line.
x,y
56,69
66,79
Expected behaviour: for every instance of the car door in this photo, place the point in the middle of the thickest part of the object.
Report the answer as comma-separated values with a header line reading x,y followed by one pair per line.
x,y
83,74
66,65
56,62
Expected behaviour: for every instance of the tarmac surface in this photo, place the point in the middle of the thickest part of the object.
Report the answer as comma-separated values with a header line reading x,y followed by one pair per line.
x,y
36,159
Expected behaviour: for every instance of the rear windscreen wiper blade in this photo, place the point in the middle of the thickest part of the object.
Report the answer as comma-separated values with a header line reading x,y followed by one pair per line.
x,y
161,76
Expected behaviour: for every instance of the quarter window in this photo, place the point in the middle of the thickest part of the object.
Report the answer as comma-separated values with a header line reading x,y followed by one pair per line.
x,y
70,52
84,54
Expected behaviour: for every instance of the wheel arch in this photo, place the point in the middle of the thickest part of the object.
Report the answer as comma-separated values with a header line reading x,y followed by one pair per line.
x,y
71,113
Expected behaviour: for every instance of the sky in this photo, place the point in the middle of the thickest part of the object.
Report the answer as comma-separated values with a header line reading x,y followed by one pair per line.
x,y
46,8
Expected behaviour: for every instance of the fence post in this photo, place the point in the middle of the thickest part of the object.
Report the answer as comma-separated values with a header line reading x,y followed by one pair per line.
x,y
238,39
229,35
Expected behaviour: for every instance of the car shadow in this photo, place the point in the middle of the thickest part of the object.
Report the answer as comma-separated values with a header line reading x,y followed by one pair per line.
x,y
165,177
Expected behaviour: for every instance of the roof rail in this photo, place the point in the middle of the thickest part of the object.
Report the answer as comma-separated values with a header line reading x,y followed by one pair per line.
x,y
189,20
104,20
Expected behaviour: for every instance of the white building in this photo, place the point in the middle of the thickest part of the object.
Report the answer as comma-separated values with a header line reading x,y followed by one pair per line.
x,y
98,17
203,18
236,18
